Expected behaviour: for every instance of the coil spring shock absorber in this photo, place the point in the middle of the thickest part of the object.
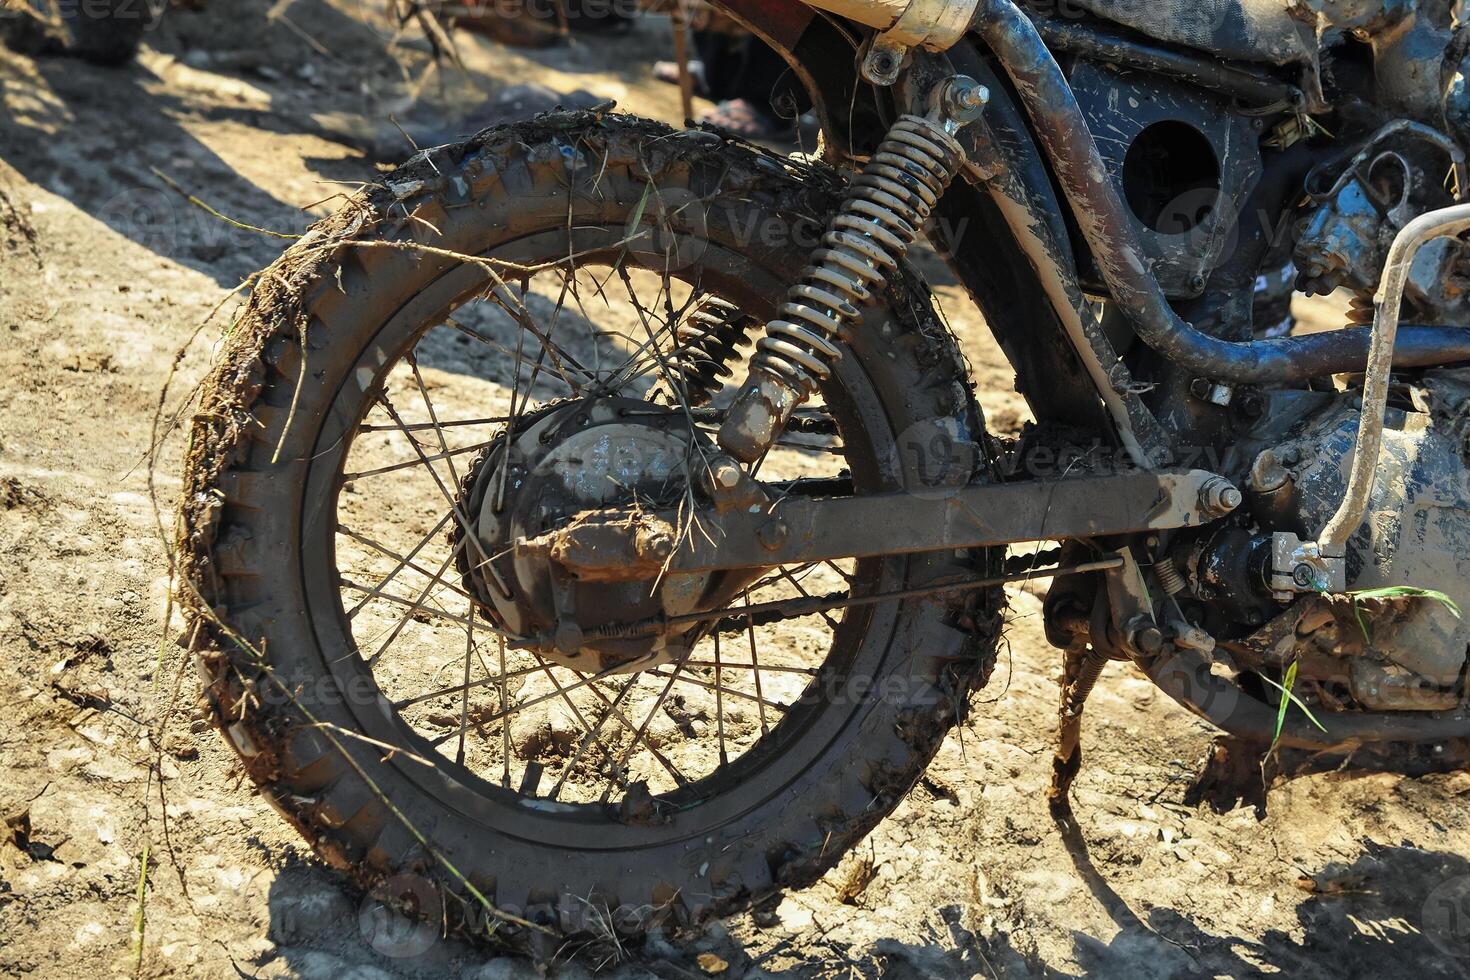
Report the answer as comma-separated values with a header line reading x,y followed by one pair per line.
x,y
885,208
708,342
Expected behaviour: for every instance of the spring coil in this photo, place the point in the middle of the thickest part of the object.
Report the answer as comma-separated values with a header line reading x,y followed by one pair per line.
x,y
1170,578
885,208
708,341
1363,309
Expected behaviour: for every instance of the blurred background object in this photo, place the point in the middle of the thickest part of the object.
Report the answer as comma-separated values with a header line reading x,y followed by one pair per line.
x,y
104,32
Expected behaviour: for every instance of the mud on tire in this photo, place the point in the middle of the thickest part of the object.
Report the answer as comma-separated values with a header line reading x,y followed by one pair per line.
x,y
248,506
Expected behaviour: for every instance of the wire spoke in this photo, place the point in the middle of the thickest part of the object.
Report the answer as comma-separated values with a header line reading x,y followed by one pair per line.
x,y
409,464
806,595
413,607
418,379
466,525
464,704
736,665
426,426
623,720
720,702
591,735
756,671
471,686
576,712
638,735
403,562
522,315
733,692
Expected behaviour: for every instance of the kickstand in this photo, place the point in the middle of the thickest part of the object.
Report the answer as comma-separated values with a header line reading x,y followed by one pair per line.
x,y
1080,670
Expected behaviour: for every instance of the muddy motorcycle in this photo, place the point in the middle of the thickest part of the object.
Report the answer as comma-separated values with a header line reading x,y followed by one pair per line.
x,y
593,523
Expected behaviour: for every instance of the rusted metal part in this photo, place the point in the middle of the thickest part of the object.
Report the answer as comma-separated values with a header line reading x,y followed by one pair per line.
x,y
1267,31
1447,222
790,530
1109,229
631,546
1212,74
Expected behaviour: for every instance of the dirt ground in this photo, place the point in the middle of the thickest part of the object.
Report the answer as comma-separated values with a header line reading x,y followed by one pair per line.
x,y
105,274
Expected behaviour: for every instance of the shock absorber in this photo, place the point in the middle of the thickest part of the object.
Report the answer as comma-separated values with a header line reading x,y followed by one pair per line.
x,y
882,215
708,342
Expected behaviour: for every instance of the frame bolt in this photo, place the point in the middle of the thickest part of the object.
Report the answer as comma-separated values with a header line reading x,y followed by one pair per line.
x,y
773,534
725,472
1146,637
1219,497
965,99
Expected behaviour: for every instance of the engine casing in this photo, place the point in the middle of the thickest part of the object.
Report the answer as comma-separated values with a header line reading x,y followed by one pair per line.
x,y
1412,655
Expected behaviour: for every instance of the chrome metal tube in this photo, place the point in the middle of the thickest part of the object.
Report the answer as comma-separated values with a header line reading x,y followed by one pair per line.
x,y
1415,235
932,24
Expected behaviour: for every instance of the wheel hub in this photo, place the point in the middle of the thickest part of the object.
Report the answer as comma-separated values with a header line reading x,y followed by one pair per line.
x,y
565,462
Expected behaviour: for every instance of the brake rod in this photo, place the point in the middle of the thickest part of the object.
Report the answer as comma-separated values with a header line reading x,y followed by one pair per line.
x,y
795,608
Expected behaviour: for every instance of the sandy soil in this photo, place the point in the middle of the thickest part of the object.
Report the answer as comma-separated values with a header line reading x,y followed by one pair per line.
x,y
105,274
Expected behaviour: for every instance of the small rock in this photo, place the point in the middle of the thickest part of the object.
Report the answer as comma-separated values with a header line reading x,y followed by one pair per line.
x,y
794,917
712,964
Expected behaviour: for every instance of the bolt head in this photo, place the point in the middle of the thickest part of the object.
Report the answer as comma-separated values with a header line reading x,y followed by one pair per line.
x,y
726,473
1149,640
772,534
965,99
1302,575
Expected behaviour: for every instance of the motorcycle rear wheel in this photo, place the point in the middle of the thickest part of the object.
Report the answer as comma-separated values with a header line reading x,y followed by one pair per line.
x,y
465,817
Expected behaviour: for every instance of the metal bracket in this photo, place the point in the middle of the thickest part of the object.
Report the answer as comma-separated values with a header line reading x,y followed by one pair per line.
x,y
1299,566
933,24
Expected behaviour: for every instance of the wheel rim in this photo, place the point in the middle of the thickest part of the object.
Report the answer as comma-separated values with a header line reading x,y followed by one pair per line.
x,y
689,708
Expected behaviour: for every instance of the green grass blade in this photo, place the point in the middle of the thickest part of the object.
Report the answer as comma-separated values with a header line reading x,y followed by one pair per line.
x,y
1288,697
1398,592
1409,592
